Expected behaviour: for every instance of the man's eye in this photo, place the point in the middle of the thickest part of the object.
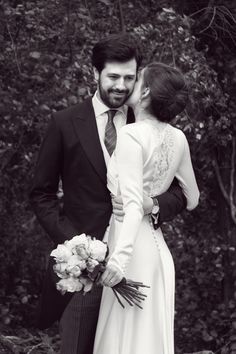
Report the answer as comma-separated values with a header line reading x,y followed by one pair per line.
x,y
113,77
130,78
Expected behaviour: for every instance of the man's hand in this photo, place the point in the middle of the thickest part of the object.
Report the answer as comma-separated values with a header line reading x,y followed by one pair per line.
x,y
117,206
111,276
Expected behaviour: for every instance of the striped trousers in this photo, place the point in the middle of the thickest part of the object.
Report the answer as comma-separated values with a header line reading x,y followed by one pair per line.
x,y
78,323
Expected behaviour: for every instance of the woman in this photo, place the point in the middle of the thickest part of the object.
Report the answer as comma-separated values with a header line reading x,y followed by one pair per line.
x,y
148,155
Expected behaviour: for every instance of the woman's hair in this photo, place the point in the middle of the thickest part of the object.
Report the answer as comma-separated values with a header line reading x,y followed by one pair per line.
x,y
119,47
168,91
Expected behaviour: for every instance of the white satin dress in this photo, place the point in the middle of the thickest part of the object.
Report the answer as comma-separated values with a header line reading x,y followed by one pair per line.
x,y
148,155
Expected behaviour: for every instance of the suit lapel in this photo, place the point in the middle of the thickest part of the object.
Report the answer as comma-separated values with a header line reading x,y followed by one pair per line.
x,y
86,129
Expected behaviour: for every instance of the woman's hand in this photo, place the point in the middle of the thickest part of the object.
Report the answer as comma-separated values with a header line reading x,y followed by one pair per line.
x,y
111,276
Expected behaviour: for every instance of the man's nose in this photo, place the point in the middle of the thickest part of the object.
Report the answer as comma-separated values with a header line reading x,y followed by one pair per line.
x,y
120,84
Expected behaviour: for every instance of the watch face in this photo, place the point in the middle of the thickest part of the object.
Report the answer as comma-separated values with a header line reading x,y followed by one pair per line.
x,y
155,209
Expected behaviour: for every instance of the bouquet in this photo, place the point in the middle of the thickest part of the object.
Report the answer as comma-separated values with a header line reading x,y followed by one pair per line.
x,y
79,263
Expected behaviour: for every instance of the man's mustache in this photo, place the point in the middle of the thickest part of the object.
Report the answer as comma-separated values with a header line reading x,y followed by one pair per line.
x,y
118,91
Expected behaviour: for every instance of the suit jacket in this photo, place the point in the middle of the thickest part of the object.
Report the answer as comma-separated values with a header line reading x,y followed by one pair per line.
x,y
71,151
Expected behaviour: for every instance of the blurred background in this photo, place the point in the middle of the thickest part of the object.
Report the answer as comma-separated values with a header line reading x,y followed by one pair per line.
x,y
44,67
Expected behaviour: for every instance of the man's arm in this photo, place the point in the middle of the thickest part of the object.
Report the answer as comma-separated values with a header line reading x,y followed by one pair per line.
x,y
171,203
43,194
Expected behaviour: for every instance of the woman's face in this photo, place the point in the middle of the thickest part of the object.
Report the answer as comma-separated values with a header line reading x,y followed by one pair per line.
x,y
134,98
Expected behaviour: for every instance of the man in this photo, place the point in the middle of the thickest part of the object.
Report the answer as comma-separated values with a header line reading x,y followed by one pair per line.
x,y
76,149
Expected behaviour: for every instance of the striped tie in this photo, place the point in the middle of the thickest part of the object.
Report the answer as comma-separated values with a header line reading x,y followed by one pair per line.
x,y
110,132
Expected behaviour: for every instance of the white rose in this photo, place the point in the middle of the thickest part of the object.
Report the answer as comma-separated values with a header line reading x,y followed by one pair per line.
x,y
82,251
61,254
78,240
98,250
74,271
75,260
69,285
60,270
91,264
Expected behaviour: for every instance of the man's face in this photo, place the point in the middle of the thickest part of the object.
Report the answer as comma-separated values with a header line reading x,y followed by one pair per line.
x,y
116,82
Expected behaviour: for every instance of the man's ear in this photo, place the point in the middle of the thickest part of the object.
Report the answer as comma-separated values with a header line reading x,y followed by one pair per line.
x,y
95,73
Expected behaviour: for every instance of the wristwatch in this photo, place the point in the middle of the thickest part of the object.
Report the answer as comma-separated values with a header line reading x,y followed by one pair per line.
x,y
155,212
156,207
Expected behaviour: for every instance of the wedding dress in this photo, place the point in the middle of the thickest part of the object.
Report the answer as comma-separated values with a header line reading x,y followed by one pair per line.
x,y
149,154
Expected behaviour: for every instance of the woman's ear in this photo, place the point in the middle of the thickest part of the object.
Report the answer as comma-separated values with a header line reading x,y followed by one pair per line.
x,y
145,92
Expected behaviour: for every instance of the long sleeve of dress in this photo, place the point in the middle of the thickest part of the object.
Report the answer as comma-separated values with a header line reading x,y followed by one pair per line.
x,y
186,178
130,173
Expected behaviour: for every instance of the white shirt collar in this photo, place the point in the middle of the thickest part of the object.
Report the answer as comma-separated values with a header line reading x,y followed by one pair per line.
x,y
100,108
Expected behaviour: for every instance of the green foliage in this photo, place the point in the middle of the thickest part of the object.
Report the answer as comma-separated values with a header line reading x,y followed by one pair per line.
x,y
30,342
45,66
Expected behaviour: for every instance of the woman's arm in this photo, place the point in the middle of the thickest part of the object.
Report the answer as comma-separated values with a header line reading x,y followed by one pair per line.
x,y
130,170
186,178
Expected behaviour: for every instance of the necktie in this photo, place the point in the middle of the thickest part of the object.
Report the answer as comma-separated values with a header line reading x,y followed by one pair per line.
x,y
110,132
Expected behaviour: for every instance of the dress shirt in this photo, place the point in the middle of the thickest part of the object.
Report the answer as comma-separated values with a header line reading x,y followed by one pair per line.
x,y
100,110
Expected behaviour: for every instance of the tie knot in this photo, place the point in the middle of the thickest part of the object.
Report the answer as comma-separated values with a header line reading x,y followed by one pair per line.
x,y
111,113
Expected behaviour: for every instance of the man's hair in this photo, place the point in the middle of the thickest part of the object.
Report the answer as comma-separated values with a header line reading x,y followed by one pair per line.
x,y
119,47
168,91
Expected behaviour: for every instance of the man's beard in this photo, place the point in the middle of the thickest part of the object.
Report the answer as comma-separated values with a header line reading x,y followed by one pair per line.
x,y
113,101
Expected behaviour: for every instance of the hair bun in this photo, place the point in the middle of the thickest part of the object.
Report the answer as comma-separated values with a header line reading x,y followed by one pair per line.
x,y
168,90
179,102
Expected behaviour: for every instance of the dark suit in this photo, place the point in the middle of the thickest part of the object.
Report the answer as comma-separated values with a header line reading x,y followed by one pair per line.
x,y
71,151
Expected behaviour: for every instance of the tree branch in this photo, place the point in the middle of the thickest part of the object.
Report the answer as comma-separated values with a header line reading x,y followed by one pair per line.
x,y
14,49
68,11
219,179
227,18
225,30
88,9
212,20
211,3
226,11
198,12
229,198
173,55
9,345
121,16
232,185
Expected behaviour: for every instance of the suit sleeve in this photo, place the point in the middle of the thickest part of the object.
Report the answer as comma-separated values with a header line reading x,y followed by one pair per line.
x,y
171,203
43,194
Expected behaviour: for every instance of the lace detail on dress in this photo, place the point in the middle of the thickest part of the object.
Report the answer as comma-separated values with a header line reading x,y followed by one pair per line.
x,y
163,155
